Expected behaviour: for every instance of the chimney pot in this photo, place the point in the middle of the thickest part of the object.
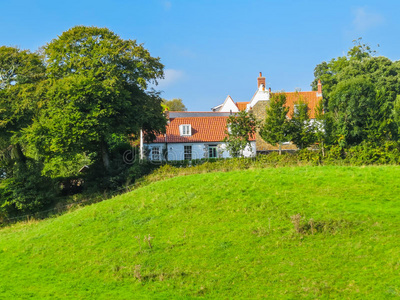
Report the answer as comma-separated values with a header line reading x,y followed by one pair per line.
x,y
260,81
319,88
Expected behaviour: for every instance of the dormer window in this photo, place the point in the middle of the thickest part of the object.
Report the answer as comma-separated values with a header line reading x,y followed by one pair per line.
x,y
185,130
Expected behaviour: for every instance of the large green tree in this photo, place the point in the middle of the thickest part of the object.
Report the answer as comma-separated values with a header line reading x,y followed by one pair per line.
x,y
97,86
241,128
23,189
359,81
20,74
320,126
301,128
352,107
275,128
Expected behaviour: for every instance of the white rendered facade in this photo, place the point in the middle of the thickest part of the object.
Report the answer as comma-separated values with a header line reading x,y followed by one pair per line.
x,y
178,152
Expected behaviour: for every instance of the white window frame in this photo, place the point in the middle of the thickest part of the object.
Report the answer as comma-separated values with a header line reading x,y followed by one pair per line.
x,y
156,155
185,130
216,151
187,152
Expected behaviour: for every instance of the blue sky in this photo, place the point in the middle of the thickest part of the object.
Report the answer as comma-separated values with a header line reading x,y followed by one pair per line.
x,y
214,48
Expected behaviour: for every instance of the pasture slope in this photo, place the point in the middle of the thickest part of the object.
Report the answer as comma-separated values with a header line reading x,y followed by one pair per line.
x,y
278,233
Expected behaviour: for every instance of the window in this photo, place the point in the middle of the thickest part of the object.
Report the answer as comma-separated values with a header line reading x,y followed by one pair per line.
x,y
212,151
155,153
185,129
229,128
296,108
187,152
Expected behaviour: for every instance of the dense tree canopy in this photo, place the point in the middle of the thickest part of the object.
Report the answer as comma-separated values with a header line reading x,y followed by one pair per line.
x,y
359,92
275,128
96,87
301,128
66,106
20,73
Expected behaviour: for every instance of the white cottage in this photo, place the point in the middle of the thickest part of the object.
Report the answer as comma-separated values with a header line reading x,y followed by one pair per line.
x,y
193,135
197,135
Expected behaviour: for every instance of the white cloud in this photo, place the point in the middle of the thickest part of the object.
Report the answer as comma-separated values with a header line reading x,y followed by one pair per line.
x,y
364,19
171,76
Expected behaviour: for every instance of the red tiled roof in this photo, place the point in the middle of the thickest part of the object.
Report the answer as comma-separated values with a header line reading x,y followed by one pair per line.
x,y
308,97
242,105
204,129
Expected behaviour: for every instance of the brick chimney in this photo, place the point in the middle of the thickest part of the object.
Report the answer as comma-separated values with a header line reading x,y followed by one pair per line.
x,y
319,93
260,81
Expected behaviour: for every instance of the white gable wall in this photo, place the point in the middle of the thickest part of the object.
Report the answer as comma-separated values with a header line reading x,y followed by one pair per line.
x,y
229,105
262,94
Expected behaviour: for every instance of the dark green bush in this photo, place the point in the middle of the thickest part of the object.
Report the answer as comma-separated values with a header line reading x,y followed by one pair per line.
x,y
139,169
366,154
27,191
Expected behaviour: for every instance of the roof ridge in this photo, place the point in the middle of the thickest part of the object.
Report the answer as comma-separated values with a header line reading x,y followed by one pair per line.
x,y
294,92
193,111
199,117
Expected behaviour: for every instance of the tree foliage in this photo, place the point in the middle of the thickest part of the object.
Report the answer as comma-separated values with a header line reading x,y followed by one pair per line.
x,y
275,128
20,72
175,104
18,67
320,126
27,190
301,128
241,128
63,107
96,87
359,91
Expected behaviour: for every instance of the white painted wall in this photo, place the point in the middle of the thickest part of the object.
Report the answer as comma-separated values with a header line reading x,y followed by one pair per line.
x,y
262,94
229,105
248,152
176,151
199,150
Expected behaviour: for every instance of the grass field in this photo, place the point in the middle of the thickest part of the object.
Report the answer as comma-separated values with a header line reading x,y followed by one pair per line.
x,y
281,233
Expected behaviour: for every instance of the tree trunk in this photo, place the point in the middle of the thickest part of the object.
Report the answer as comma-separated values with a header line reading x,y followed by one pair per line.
x,y
18,154
104,154
280,148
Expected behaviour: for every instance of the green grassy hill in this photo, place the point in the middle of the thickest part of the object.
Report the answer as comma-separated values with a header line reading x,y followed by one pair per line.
x,y
285,233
